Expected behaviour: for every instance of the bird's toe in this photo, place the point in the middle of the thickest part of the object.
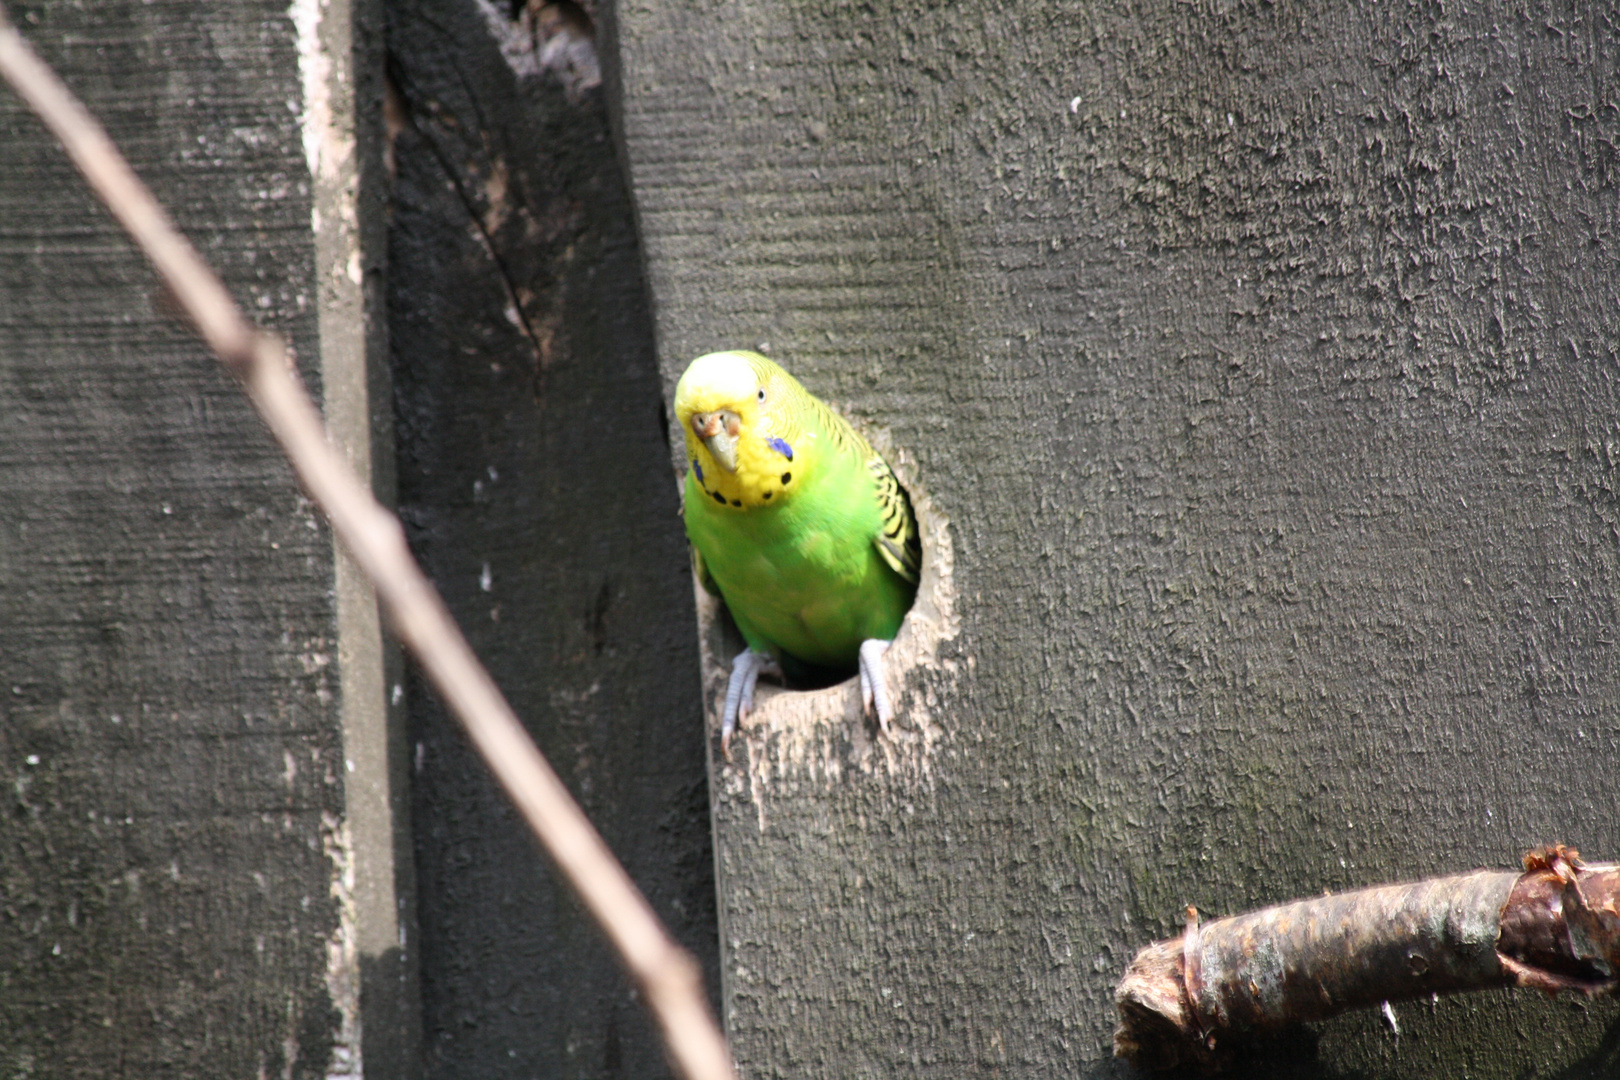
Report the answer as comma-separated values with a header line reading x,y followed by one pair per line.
x,y
874,688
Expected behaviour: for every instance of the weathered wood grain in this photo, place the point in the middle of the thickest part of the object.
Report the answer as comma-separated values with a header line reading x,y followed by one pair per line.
x,y
193,744
538,494
1262,359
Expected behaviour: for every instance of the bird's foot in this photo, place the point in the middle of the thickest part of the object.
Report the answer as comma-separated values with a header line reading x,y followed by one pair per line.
x,y
745,672
874,688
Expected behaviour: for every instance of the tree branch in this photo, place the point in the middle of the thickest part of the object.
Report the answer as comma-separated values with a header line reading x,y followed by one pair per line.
x,y
666,973
1191,1000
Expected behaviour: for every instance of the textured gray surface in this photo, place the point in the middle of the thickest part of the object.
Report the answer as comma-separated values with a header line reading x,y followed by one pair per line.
x,y
169,656
1263,361
539,496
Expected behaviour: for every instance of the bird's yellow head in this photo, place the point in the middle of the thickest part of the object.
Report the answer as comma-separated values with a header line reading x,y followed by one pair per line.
x,y
742,416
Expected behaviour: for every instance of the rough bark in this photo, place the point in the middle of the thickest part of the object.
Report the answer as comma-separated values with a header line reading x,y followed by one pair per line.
x,y
538,494
1262,360
1199,998
196,722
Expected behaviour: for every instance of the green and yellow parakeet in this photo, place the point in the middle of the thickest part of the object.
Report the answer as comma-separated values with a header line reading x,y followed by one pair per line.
x,y
797,524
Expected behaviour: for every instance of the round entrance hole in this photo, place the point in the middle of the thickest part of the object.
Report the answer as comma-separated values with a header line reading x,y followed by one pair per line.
x,y
824,730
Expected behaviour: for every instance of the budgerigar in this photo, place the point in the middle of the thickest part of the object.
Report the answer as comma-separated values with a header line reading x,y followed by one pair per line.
x,y
797,524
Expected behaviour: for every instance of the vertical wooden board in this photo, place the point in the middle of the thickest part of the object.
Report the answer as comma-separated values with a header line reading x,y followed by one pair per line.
x,y
538,494
177,869
1261,359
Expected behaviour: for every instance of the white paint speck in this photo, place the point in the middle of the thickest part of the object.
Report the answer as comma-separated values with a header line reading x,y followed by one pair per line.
x,y
398,694
314,67
33,759
486,580
343,954
532,48
1074,105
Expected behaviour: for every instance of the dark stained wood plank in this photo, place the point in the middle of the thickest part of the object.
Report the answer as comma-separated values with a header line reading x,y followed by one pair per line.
x,y
178,671
538,494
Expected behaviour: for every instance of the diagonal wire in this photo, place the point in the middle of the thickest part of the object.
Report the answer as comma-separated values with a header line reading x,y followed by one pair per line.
x,y
668,976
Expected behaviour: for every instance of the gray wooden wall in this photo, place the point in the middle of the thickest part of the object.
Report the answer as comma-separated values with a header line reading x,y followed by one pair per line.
x,y
212,866
1264,361
202,871
1255,365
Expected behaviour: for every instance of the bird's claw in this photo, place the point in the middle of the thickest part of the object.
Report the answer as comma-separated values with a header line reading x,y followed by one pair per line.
x,y
874,688
744,710
746,669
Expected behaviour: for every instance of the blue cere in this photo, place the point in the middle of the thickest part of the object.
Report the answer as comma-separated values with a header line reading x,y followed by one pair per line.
x,y
781,447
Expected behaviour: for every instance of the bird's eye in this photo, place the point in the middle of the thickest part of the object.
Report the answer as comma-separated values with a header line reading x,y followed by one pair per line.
x,y
762,393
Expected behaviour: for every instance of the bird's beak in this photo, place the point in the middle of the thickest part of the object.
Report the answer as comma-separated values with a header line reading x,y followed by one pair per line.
x,y
718,430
